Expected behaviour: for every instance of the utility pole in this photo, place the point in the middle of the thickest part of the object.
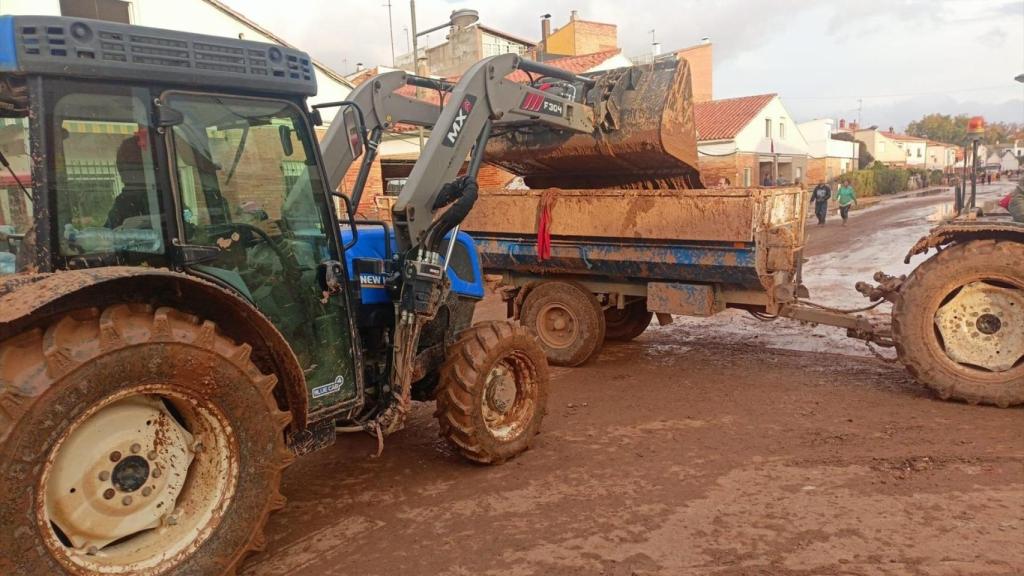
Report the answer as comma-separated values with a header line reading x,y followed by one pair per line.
x,y
415,60
860,108
391,33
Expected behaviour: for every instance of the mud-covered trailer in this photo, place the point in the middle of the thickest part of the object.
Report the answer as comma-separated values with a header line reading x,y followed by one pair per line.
x,y
616,257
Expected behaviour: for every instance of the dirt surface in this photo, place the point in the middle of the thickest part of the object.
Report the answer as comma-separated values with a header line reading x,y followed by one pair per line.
x,y
686,452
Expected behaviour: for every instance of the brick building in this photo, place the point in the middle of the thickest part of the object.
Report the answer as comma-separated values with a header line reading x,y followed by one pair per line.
x,y
577,38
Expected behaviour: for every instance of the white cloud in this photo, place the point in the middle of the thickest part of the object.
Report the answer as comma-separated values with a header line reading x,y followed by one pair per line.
x,y
837,51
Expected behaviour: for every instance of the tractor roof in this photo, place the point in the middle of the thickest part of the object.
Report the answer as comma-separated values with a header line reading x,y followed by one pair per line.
x,y
82,48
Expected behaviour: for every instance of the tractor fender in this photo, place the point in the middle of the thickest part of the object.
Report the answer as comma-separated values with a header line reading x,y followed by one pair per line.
x,y
27,300
966,231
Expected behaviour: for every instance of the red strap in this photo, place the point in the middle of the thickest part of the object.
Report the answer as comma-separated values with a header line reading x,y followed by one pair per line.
x,y
547,200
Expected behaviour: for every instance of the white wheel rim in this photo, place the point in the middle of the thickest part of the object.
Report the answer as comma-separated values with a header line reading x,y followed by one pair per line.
x,y
508,398
128,488
983,326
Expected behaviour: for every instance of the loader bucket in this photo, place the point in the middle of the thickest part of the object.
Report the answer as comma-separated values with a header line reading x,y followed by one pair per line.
x,y
645,136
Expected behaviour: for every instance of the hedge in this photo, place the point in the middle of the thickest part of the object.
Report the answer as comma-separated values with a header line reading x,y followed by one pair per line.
x,y
878,179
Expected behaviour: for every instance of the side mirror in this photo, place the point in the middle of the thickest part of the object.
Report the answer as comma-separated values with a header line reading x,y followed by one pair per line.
x,y
285,134
353,129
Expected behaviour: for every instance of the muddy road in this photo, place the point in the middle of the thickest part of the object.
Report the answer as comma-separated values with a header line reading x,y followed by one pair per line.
x,y
683,452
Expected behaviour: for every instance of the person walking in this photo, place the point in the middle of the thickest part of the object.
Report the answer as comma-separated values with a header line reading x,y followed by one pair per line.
x,y
820,197
846,198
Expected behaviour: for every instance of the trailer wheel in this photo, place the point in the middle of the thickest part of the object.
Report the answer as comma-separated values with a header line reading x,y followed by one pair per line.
x,y
959,322
493,392
567,319
134,441
627,323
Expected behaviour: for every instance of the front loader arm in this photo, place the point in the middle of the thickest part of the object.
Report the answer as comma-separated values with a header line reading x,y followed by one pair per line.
x,y
383,108
482,96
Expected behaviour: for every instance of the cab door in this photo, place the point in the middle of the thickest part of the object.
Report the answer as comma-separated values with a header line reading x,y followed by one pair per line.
x,y
254,216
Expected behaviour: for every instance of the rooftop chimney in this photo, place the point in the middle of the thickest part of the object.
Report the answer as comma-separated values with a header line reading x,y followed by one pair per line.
x,y
842,123
545,30
891,131
573,15
705,40
655,48
359,66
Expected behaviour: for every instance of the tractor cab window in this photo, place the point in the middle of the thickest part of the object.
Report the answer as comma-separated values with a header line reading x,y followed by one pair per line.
x,y
15,203
105,177
251,192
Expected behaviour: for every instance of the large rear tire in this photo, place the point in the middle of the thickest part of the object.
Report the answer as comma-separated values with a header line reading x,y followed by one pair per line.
x,y
959,323
627,323
493,392
567,319
135,441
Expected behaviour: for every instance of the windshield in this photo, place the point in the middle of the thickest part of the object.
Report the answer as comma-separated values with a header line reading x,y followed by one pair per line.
x,y
15,204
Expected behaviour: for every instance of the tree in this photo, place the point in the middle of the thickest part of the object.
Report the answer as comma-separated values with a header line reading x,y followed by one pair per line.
x,y
953,130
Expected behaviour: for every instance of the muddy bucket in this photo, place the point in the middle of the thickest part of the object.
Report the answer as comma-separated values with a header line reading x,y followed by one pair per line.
x,y
645,136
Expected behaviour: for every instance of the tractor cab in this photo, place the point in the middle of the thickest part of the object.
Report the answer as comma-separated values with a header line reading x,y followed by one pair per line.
x,y
136,147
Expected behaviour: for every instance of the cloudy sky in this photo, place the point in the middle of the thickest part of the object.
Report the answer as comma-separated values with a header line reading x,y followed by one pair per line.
x,y
890,61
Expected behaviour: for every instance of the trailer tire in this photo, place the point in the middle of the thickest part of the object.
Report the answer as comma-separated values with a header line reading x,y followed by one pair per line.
x,y
958,323
493,392
627,323
131,408
567,319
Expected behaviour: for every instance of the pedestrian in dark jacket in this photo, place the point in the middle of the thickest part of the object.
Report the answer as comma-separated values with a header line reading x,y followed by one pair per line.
x,y
1017,202
820,197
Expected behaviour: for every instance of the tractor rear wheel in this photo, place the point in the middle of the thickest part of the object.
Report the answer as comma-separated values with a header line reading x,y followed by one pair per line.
x,y
135,441
624,324
958,323
493,392
567,319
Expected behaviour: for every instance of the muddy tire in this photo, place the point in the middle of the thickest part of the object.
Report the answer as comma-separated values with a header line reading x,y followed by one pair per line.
x,y
493,392
959,323
135,441
628,323
567,319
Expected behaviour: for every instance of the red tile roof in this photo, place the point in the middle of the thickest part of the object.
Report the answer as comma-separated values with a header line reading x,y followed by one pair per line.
x,y
723,119
895,136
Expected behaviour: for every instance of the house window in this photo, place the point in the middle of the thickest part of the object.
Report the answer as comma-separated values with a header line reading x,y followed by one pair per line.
x,y
782,129
767,127
109,10
746,175
918,152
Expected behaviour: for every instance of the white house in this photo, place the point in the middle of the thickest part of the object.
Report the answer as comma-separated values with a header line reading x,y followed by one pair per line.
x,y
1008,162
828,157
747,141
199,16
914,148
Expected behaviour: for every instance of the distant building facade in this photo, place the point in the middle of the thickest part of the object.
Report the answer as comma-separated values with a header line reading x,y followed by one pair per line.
x,y
465,46
828,158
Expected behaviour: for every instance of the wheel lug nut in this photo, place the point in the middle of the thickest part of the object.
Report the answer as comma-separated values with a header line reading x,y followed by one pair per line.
x,y
108,493
104,476
147,491
151,455
198,447
127,500
92,551
135,448
115,456
156,472
172,520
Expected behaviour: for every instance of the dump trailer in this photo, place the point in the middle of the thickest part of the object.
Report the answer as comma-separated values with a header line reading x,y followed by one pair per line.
x,y
615,228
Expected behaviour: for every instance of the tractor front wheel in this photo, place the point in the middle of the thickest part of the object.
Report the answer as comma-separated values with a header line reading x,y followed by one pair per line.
x,y
493,392
134,440
958,323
